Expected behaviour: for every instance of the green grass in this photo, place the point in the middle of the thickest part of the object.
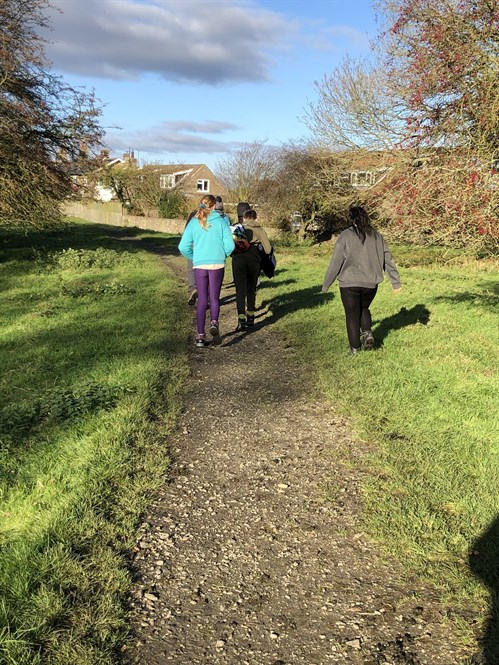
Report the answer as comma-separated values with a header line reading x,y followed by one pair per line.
x,y
90,384
427,398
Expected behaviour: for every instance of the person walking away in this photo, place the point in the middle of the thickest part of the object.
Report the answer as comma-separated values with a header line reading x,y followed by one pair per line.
x,y
360,257
219,207
246,266
207,241
191,282
242,207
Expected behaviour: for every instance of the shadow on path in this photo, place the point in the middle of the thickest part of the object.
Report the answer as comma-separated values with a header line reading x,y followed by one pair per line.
x,y
301,299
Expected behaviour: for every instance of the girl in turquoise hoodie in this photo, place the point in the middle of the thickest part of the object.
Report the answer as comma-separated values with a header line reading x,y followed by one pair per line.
x,y
207,241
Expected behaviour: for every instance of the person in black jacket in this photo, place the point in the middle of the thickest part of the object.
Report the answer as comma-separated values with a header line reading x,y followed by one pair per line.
x,y
360,257
242,207
246,266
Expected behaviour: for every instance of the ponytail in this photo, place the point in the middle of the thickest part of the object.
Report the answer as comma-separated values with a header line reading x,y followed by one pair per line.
x,y
206,205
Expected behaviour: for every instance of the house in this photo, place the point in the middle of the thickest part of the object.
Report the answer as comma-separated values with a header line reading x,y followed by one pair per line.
x,y
85,181
193,179
363,169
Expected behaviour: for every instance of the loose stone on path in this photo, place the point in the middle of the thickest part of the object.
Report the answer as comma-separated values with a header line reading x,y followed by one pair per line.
x,y
246,556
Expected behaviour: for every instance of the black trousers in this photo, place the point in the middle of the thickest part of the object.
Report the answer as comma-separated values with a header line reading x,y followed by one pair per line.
x,y
356,301
246,270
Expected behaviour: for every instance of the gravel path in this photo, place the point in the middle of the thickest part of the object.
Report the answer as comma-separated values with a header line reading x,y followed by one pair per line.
x,y
252,552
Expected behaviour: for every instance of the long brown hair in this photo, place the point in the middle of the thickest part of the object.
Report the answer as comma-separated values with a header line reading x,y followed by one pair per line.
x,y
206,205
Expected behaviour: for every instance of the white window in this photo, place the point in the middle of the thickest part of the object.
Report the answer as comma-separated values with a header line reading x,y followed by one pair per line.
x,y
166,181
362,178
203,186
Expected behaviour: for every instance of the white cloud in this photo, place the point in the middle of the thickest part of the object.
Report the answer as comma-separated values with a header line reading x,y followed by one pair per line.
x,y
173,137
209,127
322,36
194,41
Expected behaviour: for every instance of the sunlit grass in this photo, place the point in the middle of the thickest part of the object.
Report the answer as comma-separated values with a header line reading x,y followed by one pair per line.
x,y
426,399
92,346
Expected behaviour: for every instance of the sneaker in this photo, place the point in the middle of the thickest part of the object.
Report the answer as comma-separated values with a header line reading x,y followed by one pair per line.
x,y
215,332
366,340
200,343
250,320
241,325
354,351
193,297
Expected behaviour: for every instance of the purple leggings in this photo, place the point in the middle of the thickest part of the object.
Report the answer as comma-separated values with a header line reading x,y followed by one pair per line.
x,y
208,285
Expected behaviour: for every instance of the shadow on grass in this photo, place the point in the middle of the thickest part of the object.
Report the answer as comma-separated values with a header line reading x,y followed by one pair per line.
x,y
402,319
484,564
286,303
487,296
160,246
77,235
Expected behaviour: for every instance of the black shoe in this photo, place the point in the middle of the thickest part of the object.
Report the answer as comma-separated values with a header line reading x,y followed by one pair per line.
x,y
193,297
250,321
200,343
353,350
367,341
241,324
215,332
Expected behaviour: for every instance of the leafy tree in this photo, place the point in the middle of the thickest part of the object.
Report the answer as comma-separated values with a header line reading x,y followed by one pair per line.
x,y
139,190
122,182
173,204
47,128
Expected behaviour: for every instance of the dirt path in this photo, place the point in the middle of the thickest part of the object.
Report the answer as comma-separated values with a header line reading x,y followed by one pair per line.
x,y
244,558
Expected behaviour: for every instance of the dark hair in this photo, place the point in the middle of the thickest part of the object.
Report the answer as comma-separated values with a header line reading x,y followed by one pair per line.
x,y
359,221
242,206
250,214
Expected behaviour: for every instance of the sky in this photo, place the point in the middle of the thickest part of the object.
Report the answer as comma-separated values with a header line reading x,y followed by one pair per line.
x,y
192,81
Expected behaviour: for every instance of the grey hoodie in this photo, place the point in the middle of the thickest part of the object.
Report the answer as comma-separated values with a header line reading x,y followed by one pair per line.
x,y
355,263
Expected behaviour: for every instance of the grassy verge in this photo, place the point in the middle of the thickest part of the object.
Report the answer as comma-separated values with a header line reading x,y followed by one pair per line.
x,y
426,397
91,378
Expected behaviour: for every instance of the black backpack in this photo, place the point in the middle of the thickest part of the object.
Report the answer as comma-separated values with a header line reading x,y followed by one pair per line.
x,y
240,239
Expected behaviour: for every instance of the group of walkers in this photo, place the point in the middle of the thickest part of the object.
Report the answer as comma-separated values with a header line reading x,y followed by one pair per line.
x,y
360,257
207,241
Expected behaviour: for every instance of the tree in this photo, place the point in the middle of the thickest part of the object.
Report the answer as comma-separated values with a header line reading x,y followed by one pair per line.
x,y
355,109
429,101
139,190
47,128
441,58
246,172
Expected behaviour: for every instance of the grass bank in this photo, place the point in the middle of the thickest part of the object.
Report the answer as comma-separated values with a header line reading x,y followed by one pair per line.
x,y
427,398
92,370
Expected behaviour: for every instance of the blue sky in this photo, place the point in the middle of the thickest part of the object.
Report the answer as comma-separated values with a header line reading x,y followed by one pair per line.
x,y
188,81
